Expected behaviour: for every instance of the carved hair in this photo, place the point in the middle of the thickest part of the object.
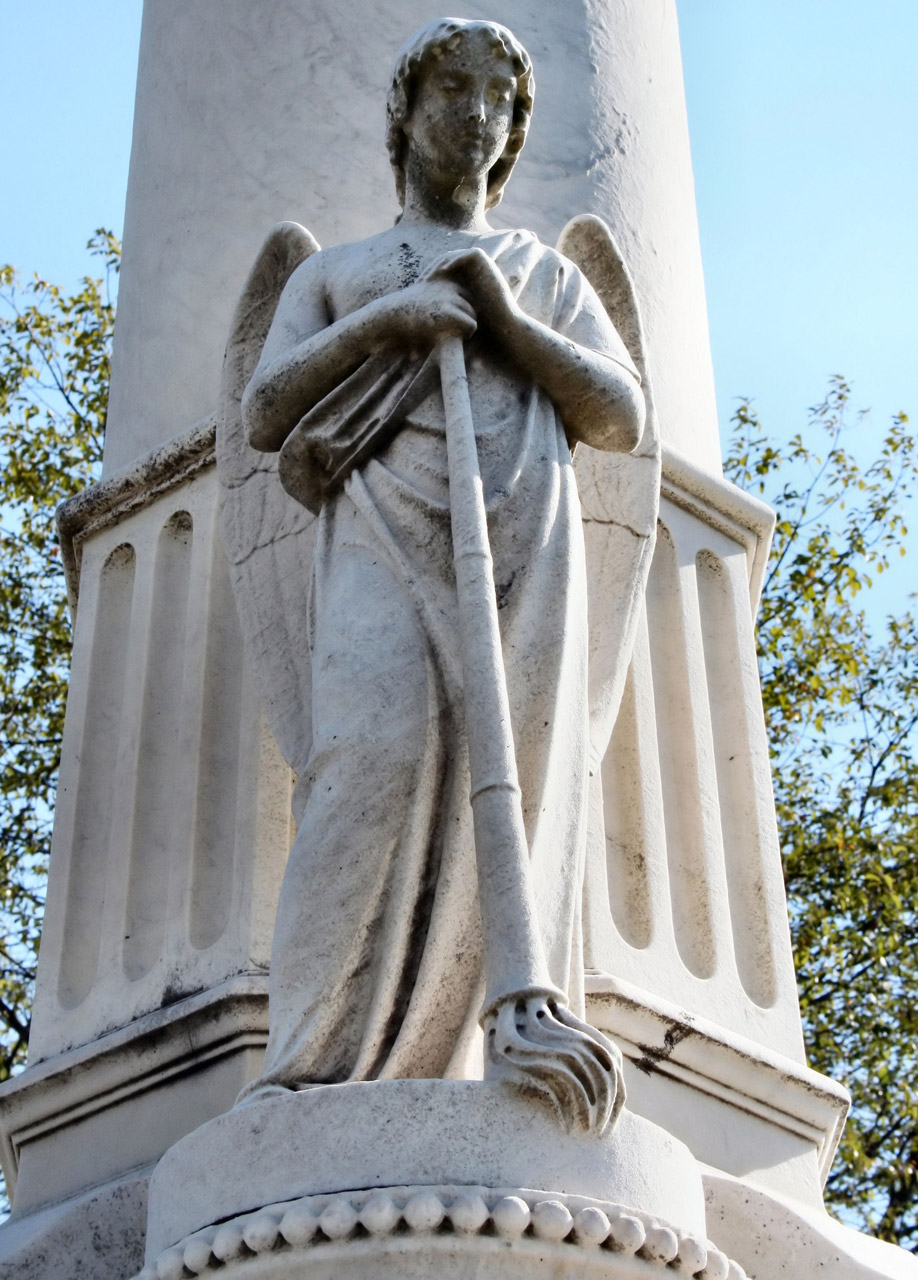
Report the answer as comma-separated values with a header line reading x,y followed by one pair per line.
x,y
433,40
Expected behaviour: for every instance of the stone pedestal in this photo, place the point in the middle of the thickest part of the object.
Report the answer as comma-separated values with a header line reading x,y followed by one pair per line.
x,y
411,1177
467,1233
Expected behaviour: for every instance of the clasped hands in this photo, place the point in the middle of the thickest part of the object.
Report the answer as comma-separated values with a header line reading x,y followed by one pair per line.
x,y
459,294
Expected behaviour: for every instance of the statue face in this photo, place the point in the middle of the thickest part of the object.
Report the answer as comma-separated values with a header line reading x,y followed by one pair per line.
x,y
463,110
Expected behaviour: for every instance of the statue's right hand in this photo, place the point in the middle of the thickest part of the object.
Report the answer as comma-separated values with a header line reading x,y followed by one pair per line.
x,y
418,315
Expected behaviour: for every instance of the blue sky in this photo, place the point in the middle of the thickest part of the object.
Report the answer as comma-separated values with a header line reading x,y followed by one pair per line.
x,y
803,115
803,119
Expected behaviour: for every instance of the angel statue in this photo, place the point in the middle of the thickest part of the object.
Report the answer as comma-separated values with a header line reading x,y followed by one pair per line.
x,y
407,547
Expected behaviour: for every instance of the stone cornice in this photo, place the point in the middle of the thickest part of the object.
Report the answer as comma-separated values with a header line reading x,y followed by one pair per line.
x,y
662,1038
84,1081
117,496
714,500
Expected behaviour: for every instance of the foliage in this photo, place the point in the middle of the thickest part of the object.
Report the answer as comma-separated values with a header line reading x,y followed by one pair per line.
x,y
841,700
54,374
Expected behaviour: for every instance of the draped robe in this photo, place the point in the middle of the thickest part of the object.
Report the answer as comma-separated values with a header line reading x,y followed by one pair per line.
x,y
377,962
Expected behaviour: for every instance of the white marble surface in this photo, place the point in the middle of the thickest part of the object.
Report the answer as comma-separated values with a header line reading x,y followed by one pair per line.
x,y
227,143
172,824
411,1133
774,1236
424,388
463,1231
98,1235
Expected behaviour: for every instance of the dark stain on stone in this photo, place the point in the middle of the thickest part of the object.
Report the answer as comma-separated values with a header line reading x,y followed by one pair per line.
x,y
502,591
652,1055
409,266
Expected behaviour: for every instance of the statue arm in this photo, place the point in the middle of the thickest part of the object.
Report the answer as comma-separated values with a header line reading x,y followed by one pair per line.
x,y
306,355
598,396
599,400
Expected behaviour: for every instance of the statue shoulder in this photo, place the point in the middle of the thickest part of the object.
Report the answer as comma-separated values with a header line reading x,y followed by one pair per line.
x,y
520,245
309,277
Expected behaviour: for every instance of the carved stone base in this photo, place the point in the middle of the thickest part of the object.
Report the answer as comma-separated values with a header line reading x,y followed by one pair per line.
x,y
420,1178
462,1232
404,1133
99,1234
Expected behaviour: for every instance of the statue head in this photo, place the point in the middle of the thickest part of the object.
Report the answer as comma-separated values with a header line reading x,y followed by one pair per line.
x,y
431,42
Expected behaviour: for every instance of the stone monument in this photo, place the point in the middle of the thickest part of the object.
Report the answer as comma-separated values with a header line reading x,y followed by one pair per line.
x,y
531,995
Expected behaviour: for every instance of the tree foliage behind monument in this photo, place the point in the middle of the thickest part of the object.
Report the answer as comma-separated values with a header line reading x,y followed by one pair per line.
x,y
54,377
840,687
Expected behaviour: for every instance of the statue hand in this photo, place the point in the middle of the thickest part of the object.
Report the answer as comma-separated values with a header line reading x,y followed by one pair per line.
x,y
419,315
483,282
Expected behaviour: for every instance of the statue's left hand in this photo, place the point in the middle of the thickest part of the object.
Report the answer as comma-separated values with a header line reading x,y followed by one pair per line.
x,y
488,291
599,400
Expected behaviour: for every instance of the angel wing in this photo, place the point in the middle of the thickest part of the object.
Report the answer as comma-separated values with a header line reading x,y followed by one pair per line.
x,y
619,493
268,535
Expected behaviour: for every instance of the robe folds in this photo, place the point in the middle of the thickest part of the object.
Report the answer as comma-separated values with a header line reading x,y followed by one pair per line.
x,y
377,963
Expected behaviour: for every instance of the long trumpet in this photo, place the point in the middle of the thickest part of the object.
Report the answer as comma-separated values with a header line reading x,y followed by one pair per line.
x,y
531,1036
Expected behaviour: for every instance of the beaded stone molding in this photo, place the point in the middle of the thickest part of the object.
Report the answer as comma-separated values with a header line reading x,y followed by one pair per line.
x,y
465,1211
